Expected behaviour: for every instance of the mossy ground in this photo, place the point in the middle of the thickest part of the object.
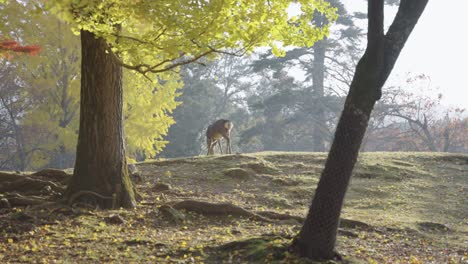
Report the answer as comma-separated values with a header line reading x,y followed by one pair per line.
x,y
415,205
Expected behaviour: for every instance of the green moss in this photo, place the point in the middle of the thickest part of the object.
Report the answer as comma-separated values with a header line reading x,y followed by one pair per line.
x,y
409,200
256,250
237,173
261,167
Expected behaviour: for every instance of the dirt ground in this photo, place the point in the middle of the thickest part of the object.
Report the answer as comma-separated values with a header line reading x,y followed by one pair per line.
x,y
400,208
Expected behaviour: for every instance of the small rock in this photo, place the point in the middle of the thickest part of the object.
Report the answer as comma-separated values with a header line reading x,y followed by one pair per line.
x,y
46,190
434,227
4,203
237,173
160,187
235,231
137,177
135,174
172,214
132,168
114,219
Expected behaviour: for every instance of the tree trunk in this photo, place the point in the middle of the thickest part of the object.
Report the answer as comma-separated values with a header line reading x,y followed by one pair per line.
x,y
318,76
317,237
446,137
319,93
100,165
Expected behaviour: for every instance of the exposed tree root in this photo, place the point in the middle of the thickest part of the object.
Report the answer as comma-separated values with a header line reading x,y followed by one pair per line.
x,y
19,190
10,177
53,174
217,209
16,199
348,223
49,206
101,198
278,216
29,185
234,210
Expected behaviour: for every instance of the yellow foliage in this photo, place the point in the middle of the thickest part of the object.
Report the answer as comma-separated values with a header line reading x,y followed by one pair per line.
x,y
155,37
158,34
147,109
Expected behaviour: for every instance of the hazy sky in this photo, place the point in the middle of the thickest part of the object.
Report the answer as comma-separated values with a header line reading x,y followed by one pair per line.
x,y
438,47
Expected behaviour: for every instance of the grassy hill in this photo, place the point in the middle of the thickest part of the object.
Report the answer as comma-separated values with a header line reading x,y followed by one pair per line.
x,y
400,208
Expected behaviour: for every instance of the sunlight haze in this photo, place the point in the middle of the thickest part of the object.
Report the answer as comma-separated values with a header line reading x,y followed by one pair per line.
x,y
436,47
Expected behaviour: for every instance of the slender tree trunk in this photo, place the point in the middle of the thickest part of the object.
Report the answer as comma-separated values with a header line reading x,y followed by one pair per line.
x,y
100,166
20,164
446,138
318,76
429,139
317,237
21,152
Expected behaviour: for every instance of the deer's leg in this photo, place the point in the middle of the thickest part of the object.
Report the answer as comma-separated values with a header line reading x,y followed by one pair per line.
x,y
219,145
228,145
209,145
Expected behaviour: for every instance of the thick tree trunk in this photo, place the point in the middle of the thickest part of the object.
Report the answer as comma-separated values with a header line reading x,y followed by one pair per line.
x,y
317,238
100,166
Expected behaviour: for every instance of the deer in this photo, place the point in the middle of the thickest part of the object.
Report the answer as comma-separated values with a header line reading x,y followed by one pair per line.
x,y
219,129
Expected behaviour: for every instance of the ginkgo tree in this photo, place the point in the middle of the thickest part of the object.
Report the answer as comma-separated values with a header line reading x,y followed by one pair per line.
x,y
147,113
154,38
46,129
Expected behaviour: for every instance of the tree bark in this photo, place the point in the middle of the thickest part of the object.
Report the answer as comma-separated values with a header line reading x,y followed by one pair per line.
x,y
318,76
317,237
100,165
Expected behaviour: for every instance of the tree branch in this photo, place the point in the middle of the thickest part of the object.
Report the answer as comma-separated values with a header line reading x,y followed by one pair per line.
x,y
375,32
405,20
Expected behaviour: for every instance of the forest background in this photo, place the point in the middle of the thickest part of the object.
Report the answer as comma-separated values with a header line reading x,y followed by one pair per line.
x,y
289,103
